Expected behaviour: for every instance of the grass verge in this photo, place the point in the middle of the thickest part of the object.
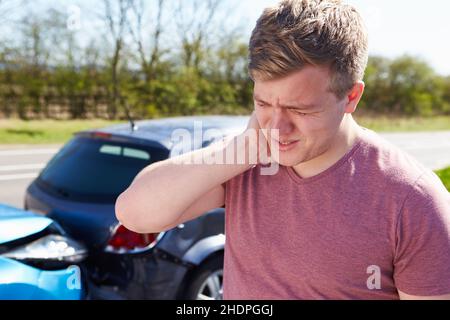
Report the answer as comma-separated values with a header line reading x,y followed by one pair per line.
x,y
403,124
444,174
14,131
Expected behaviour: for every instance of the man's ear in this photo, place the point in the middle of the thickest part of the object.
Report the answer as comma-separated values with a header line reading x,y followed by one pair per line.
x,y
353,97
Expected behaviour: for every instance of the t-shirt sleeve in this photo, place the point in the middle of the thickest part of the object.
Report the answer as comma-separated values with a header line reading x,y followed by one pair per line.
x,y
422,257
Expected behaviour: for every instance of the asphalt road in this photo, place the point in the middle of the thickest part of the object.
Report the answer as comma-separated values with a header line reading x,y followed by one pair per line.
x,y
20,164
430,148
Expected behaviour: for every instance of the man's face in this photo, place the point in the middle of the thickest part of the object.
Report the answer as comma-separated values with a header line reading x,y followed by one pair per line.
x,y
305,112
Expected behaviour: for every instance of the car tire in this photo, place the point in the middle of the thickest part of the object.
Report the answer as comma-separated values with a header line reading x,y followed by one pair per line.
x,y
206,281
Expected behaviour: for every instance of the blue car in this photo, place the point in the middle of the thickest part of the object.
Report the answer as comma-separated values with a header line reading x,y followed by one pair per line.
x,y
37,260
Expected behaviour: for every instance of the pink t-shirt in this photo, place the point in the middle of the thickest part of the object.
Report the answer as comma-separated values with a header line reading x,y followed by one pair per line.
x,y
374,222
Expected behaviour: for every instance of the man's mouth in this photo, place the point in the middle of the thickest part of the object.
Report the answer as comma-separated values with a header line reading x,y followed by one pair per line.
x,y
286,145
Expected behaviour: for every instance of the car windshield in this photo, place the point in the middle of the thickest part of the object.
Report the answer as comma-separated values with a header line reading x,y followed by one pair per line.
x,y
96,170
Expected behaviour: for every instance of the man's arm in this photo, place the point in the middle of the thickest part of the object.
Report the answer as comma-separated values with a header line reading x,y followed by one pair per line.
x,y
167,193
404,296
422,255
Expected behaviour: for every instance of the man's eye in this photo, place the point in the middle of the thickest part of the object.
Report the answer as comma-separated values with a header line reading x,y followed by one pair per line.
x,y
298,112
261,105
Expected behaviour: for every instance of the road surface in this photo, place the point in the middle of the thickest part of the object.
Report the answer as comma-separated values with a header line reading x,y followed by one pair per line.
x,y
19,165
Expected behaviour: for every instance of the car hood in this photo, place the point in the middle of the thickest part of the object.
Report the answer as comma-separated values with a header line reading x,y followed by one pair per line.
x,y
17,223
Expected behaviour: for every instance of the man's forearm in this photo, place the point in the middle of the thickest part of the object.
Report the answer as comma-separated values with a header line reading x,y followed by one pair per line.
x,y
161,192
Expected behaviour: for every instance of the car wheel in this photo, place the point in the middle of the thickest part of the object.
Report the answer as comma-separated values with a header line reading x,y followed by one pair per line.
x,y
206,283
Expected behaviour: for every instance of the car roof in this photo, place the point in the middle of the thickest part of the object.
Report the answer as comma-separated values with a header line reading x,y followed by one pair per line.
x,y
161,130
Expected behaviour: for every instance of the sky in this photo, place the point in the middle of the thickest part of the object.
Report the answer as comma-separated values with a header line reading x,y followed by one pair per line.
x,y
396,27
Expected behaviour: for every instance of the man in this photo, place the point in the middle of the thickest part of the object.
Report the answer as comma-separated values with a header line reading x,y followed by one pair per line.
x,y
347,215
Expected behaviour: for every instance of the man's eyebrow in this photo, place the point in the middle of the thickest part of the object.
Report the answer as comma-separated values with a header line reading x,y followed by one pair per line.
x,y
296,105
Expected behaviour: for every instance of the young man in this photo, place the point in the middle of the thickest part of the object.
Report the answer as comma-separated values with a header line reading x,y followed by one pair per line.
x,y
347,215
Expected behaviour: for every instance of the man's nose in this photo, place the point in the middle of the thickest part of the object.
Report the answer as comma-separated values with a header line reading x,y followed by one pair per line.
x,y
281,121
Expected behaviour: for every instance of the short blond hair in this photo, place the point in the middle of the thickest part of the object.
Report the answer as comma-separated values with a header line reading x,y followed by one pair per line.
x,y
296,33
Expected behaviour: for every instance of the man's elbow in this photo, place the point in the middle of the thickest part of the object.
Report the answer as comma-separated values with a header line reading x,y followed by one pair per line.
x,y
135,216
127,215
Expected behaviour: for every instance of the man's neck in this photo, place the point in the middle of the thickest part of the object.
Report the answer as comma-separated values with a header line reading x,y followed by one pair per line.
x,y
343,142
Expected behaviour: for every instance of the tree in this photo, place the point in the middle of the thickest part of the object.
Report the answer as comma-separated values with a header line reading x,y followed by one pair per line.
x,y
116,17
148,46
194,21
411,82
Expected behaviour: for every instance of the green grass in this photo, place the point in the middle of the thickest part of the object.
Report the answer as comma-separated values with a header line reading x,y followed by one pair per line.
x,y
13,131
403,124
444,174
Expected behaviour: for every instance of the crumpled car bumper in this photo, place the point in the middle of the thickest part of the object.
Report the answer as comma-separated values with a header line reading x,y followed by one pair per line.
x,y
19,281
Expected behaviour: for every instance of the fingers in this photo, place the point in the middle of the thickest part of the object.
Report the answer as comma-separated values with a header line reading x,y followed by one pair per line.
x,y
263,148
253,122
263,137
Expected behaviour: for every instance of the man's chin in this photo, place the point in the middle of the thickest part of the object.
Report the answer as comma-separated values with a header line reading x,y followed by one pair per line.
x,y
287,161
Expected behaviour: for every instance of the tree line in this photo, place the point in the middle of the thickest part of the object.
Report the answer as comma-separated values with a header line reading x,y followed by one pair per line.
x,y
162,58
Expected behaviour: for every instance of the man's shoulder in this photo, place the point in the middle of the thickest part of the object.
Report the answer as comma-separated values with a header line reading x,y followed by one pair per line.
x,y
383,160
428,190
397,176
